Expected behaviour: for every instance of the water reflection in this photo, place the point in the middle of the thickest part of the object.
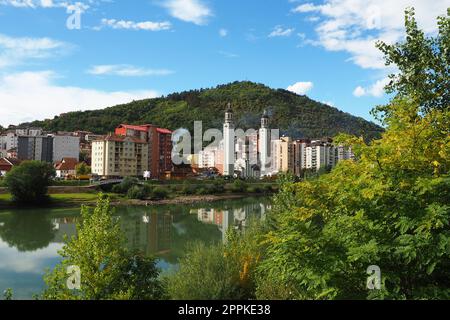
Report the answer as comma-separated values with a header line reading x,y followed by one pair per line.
x,y
29,241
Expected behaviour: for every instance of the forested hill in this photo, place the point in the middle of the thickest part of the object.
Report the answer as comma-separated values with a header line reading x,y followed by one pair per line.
x,y
297,116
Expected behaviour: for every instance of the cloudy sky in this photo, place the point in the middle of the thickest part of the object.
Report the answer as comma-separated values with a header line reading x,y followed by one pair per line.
x,y
52,62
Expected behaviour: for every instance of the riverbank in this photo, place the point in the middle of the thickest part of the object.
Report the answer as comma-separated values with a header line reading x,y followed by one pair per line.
x,y
75,200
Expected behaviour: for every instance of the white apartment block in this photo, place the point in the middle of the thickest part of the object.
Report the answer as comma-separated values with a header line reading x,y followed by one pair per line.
x,y
66,146
117,156
207,158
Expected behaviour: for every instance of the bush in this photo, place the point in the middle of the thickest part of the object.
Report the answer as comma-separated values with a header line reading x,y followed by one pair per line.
x,y
136,192
28,182
238,186
219,272
204,274
125,185
253,189
159,193
187,188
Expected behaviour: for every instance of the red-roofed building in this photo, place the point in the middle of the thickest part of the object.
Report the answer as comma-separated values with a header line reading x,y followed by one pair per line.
x,y
66,167
159,144
6,165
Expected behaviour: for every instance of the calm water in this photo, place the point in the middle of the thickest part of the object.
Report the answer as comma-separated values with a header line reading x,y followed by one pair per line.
x,y
30,239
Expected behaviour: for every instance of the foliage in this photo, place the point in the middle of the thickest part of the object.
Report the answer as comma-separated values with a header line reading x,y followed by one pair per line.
x,y
28,183
423,64
108,270
82,169
159,193
390,208
238,186
218,272
295,115
136,192
125,185
8,294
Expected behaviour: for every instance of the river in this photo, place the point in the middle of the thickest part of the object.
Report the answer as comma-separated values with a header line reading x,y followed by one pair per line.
x,y
30,239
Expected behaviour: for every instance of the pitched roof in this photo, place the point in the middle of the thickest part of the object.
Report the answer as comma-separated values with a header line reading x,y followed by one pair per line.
x,y
66,164
163,131
9,161
133,127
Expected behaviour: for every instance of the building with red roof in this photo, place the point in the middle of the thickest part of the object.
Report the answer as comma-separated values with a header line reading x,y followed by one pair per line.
x,y
159,144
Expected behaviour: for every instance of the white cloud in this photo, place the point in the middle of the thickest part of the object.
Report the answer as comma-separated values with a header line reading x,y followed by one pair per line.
x,y
15,51
300,88
278,31
67,4
189,10
355,25
131,25
125,70
45,99
375,90
228,54
223,32
30,262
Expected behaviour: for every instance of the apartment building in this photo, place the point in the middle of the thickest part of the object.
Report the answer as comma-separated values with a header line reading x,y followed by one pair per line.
x,y
159,146
66,146
38,148
120,156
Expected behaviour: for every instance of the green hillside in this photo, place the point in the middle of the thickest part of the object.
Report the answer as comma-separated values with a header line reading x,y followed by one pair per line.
x,y
297,116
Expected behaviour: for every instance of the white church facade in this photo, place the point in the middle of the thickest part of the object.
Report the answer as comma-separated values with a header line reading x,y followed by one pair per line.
x,y
246,154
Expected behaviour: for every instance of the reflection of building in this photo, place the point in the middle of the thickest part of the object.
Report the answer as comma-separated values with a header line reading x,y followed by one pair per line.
x,y
159,233
64,227
237,218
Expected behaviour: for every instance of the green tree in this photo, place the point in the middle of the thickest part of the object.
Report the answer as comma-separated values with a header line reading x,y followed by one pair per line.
x,y
82,169
423,63
390,208
108,269
28,182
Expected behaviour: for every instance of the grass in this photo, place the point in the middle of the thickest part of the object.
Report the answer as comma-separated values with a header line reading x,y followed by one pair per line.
x,y
68,199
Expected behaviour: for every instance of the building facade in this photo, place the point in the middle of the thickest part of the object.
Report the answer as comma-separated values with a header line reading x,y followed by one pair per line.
x,y
159,146
38,148
120,156
66,146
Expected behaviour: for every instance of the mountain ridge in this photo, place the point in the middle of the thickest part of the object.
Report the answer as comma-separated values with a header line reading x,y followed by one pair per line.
x,y
295,115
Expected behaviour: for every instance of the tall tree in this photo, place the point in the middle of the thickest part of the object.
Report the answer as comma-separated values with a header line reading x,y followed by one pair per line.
x,y
423,63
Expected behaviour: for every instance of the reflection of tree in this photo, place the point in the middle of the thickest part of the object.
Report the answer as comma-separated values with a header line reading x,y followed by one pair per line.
x,y
27,231
196,232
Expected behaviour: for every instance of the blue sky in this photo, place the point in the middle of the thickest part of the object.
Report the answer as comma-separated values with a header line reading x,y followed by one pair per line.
x,y
128,50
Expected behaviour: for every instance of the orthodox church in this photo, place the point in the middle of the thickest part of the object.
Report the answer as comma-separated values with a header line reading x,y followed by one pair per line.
x,y
246,155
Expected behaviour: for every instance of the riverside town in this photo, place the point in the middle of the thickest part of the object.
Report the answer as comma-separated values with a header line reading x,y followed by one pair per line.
x,y
224,159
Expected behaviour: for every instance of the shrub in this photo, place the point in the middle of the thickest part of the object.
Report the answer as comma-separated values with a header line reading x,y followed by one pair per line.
x,y
136,192
159,193
28,182
238,186
204,274
125,185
